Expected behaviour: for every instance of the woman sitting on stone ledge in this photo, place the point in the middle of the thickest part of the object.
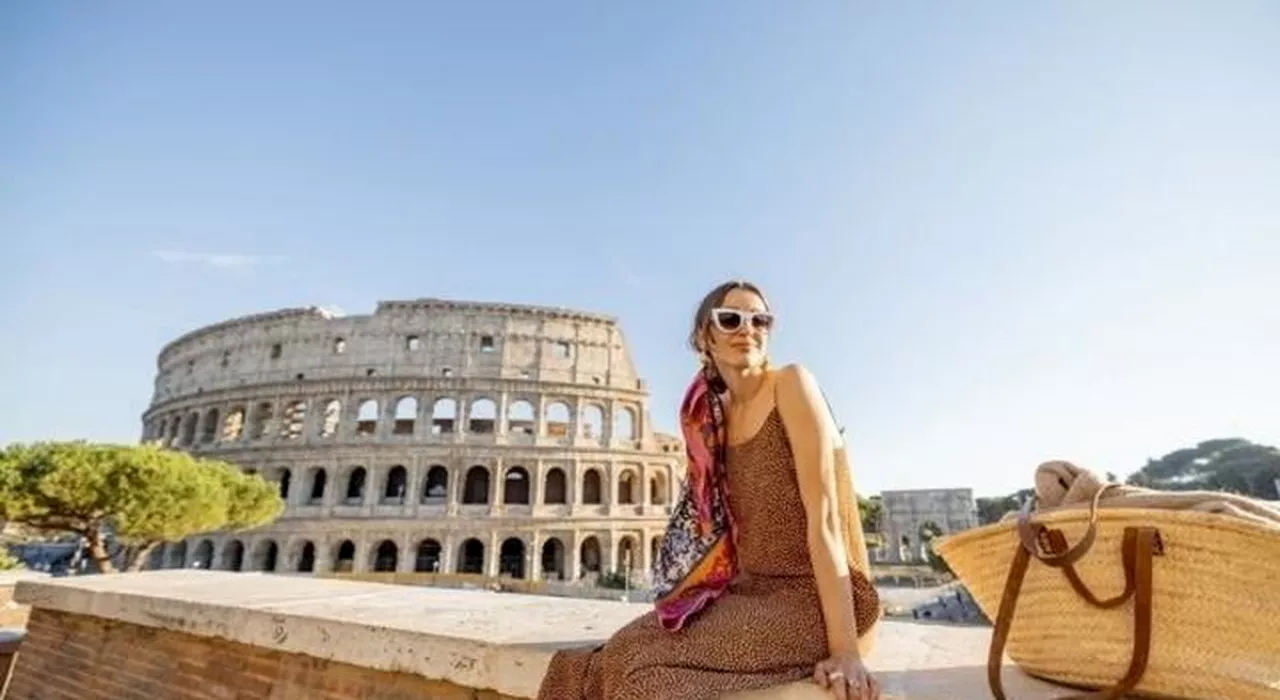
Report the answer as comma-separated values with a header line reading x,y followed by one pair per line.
x,y
758,581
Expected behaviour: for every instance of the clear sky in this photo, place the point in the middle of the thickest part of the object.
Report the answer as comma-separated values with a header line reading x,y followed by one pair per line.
x,y
997,233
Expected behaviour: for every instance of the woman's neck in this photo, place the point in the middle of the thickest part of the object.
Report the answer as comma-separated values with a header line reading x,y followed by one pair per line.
x,y
743,383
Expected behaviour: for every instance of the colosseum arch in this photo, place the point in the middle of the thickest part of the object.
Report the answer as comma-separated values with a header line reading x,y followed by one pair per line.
x,y
176,555
592,490
189,428
511,558
261,421
475,489
344,556
233,424
204,555
624,423
555,490
306,561
655,546
589,555
285,480
232,556
386,556
593,423
330,418
628,558
209,427
428,556
367,418
406,416
356,484
294,420
516,489
658,491
553,561
628,484
318,481
435,488
483,417
444,416
557,419
520,418
265,555
395,485
471,557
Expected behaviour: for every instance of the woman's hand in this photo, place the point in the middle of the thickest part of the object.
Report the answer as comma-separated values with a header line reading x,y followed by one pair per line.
x,y
846,677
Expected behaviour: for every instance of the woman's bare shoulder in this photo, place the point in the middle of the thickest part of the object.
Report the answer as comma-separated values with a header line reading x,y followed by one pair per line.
x,y
795,381
800,400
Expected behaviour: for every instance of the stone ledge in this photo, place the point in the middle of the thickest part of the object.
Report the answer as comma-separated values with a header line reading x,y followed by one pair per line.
x,y
475,639
13,614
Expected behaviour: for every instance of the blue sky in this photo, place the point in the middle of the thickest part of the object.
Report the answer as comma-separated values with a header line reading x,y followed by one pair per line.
x,y
998,234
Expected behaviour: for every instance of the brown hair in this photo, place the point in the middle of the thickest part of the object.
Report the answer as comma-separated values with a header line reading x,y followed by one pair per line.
x,y
713,299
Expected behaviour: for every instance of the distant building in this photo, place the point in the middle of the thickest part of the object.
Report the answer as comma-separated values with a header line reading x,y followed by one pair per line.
x,y
906,512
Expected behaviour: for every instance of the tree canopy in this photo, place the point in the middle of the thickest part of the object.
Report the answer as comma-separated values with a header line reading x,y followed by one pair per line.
x,y
140,496
991,510
1225,464
928,532
871,510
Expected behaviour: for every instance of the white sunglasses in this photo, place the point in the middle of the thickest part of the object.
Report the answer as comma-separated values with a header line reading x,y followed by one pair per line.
x,y
730,320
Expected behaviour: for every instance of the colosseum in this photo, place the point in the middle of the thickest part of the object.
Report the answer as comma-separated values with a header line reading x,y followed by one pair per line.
x,y
430,436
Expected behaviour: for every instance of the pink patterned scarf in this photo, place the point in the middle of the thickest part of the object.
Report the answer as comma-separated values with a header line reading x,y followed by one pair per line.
x,y
697,560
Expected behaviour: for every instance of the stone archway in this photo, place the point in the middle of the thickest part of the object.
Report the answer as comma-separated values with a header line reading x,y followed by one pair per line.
x,y
511,558
471,557
553,559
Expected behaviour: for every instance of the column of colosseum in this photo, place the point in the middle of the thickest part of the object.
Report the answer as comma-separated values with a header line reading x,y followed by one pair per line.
x,y
430,435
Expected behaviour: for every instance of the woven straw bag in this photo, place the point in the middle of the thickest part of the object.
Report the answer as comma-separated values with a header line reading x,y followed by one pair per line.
x,y
1140,601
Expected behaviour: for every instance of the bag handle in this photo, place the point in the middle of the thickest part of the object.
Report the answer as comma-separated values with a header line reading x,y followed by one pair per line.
x,y
1141,544
1033,535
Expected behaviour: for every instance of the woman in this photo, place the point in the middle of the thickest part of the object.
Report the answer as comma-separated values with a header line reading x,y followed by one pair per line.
x,y
763,550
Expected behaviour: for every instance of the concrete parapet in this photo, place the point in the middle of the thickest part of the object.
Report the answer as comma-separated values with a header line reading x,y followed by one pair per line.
x,y
14,614
188,634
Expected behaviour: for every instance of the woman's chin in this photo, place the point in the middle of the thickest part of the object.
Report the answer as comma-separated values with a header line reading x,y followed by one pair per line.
x,y
746,362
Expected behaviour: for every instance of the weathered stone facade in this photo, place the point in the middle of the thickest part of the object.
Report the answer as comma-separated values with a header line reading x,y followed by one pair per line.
x,y
431,435
952,510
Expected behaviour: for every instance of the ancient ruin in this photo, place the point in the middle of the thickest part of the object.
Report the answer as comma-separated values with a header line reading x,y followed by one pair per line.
x,y
909,513
429,436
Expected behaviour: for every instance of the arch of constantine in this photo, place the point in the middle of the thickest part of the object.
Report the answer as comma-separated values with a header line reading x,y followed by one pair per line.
x,y
431,435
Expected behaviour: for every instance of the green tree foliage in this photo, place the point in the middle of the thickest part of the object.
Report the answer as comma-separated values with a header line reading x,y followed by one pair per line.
x,y
140,496
991,510
930,531
871,511
1226,464
8,562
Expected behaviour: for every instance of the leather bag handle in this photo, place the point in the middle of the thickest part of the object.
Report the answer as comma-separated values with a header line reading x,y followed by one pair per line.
x,y
1031,535
1141,544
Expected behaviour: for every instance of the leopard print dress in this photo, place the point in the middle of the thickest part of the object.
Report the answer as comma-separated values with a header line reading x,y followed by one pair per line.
x,y
766,630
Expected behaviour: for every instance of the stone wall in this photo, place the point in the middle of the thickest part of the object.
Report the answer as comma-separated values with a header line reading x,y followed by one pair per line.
x,y
183,635
77,657
12,613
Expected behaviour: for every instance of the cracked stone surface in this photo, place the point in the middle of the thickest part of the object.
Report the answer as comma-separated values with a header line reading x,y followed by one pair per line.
x,y
475,639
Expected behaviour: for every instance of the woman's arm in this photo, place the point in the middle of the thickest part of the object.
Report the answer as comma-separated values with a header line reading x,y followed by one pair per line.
x,y
812,433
